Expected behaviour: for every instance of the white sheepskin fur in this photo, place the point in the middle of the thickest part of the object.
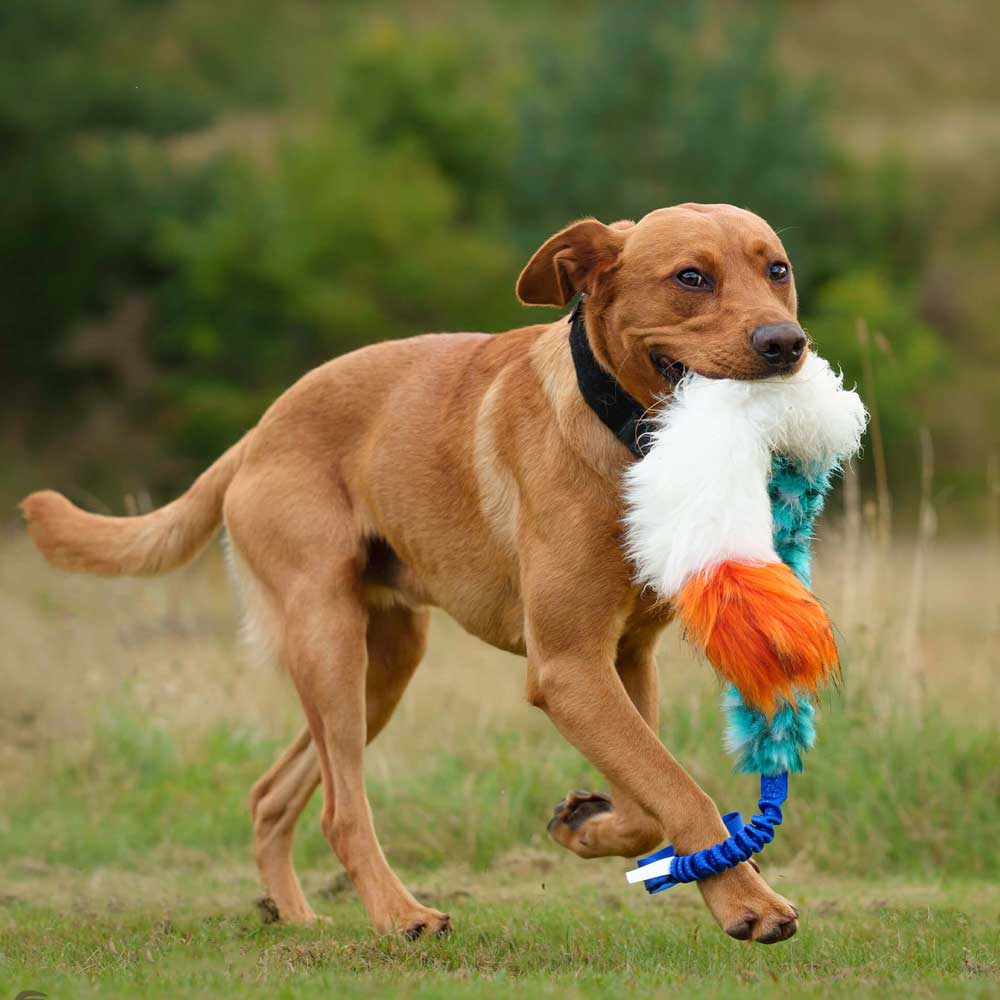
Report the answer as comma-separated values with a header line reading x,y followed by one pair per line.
x,y
699,496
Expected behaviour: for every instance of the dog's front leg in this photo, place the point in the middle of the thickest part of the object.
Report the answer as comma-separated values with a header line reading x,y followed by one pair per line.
x,y
590,824
572,637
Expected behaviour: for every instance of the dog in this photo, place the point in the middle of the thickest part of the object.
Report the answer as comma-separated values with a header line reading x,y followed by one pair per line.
x,y
467,472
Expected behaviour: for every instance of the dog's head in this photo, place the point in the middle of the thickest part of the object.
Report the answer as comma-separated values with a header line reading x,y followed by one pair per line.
x,y
702,288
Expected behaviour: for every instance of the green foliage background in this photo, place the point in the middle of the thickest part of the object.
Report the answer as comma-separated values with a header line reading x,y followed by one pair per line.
x,y
202,201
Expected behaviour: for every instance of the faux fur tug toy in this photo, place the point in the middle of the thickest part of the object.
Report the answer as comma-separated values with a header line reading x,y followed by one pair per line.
x,y
719,520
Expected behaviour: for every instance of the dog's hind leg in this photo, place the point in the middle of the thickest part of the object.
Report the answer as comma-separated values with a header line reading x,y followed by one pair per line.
x,y
276,802
326,653
308,554
396,640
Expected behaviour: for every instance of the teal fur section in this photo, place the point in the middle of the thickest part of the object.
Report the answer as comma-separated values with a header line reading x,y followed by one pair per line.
x,y
796,502
763,747
772,747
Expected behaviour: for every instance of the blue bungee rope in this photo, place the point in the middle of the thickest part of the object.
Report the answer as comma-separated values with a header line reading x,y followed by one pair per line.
x,y
772,747
664,869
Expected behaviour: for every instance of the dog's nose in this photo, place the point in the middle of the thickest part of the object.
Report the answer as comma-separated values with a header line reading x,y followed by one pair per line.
x,y
779,344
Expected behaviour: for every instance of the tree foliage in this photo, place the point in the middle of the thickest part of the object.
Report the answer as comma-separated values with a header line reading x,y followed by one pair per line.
x,y
362,176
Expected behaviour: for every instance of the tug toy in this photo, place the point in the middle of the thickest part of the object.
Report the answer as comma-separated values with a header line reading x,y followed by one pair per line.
x,y
720,513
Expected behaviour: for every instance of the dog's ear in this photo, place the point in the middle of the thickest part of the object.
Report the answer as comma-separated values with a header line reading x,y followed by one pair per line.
x,y
571,261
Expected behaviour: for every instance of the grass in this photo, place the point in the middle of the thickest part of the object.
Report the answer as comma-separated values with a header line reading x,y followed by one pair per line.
x,y
132,727
884,804
550,936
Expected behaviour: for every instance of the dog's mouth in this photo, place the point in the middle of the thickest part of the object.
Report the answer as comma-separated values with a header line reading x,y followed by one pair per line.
x,y
669,368
672,371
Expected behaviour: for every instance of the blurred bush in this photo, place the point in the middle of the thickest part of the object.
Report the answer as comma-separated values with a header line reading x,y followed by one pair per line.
x,y
202,202
336,245
903,355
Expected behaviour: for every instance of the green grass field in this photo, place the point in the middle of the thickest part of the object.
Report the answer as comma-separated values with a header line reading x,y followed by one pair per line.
x,y
132,726
548,934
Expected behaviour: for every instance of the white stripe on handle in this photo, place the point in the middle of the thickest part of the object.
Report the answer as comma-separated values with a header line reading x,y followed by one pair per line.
x,y
653,870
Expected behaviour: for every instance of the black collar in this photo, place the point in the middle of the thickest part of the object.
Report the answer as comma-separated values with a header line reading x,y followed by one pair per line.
x,y
619,412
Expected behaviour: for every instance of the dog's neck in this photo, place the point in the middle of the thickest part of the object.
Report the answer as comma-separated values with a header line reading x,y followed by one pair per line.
x,y
623,415
582,433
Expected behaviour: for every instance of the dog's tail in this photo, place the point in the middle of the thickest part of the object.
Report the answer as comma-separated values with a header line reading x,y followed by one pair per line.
x,y
72,539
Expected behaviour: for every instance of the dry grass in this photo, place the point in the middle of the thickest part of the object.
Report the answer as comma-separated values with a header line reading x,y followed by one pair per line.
x,y
73,644
924,82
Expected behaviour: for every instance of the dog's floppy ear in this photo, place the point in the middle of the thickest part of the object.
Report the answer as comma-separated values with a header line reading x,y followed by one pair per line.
x,y
569,262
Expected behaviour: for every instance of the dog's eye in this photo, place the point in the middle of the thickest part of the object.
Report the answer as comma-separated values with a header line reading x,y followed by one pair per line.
x,y
778,271
692,278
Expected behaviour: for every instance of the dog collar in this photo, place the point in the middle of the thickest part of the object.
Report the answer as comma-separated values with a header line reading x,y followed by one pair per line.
x,y
602,392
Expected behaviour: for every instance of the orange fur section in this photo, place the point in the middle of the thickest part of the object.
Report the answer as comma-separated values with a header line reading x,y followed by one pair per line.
x,y
761,629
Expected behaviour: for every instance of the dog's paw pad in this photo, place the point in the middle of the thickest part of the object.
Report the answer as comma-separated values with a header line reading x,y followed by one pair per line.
x,y
578,807
414,931
743,930
438,925
781,931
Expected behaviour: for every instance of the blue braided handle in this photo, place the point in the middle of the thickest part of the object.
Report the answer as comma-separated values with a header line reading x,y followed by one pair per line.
x,y
743,841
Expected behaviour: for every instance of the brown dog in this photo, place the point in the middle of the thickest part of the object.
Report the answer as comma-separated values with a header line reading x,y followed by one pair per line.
x,y
465,471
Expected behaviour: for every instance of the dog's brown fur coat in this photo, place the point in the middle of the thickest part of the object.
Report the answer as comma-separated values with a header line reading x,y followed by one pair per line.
x,y
465,471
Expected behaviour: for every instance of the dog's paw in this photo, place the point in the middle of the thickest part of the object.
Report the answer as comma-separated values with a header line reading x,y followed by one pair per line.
x,y
576,809
569,824
438,927
422,922
747,908
267,908
271,913
589,825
